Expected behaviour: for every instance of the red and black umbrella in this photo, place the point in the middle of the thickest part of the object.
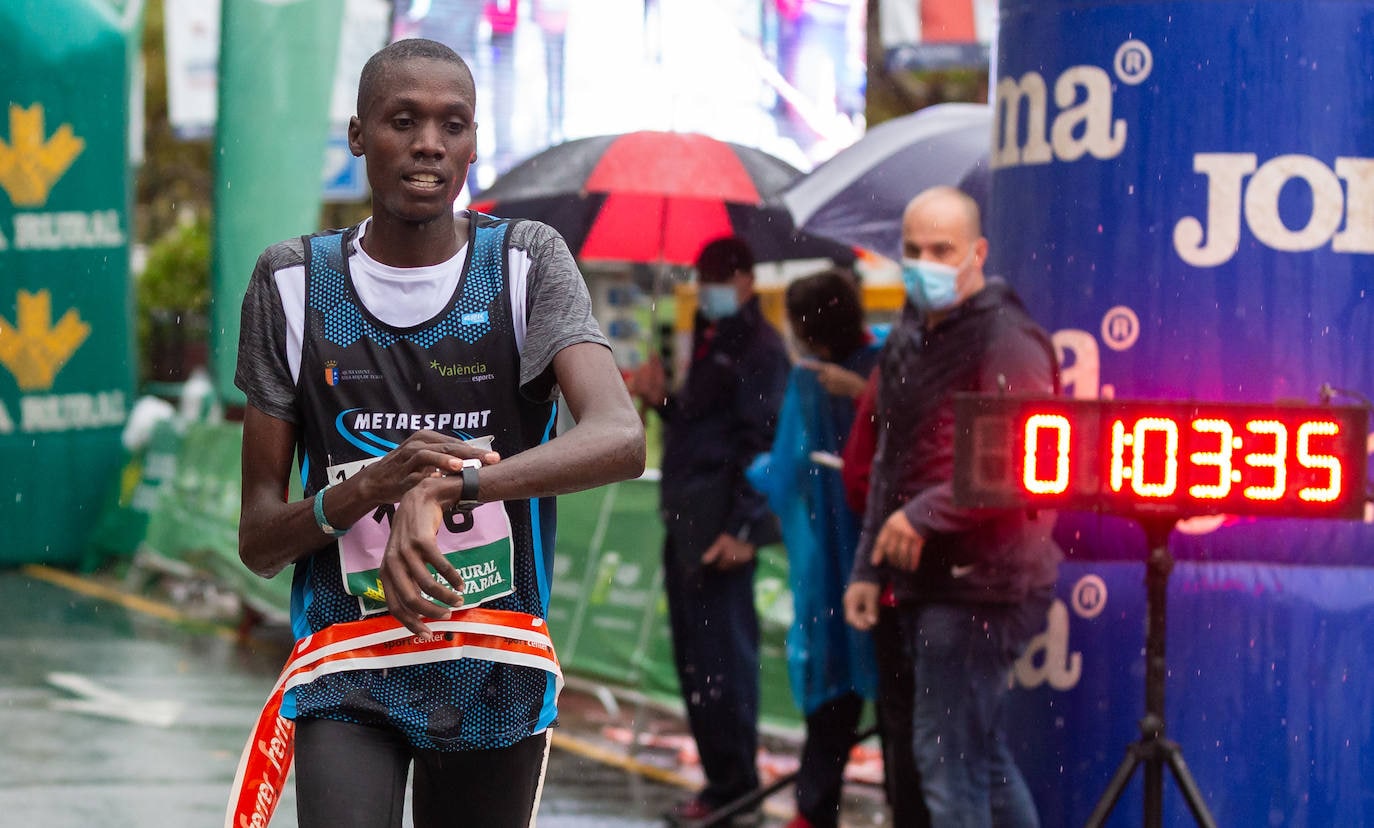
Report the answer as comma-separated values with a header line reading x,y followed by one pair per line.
x,y
656,197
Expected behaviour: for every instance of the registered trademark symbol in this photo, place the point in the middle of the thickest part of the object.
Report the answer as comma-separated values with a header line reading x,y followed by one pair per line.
x,y
1089,596
1120,328
1133,62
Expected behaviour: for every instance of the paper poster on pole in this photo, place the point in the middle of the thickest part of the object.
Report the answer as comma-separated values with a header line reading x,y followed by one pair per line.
x,y
937,34
191,36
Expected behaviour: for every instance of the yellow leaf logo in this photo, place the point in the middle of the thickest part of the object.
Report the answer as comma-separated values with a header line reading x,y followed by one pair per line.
x,y
34,349
375,593
32,163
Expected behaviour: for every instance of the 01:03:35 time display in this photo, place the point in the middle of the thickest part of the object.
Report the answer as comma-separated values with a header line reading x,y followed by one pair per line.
x,y
1154,457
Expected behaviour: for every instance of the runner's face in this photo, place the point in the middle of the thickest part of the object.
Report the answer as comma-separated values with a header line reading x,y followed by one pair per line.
x,y
418,135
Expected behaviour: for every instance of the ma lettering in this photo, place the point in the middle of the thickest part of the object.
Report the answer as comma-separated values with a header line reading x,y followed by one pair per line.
x,y
1083,124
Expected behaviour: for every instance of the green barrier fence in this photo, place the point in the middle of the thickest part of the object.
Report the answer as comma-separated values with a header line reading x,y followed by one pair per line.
x,y
607,613
177,509
196,518
123,522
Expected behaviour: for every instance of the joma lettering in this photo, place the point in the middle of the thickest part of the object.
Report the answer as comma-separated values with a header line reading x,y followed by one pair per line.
x,y
1229,197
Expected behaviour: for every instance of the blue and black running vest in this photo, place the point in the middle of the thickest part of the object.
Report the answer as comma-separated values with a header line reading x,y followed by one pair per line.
x,y
364,387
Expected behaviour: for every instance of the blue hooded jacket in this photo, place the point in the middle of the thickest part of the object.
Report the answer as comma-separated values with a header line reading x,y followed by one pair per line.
x,y
826,657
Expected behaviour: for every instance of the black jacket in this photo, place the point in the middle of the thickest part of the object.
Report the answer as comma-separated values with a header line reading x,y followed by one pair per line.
x,y
722,417
988,342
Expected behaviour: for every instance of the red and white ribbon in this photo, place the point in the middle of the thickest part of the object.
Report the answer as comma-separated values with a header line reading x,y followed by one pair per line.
x,y
371,644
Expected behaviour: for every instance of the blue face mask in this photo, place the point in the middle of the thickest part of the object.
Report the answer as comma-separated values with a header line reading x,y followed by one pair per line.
x,y
931,286
718,301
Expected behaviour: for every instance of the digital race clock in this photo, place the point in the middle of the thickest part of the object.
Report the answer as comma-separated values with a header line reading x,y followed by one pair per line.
x,y
1160,458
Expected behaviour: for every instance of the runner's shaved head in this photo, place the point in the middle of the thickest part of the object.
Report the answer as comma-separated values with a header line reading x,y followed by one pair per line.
x,y
377,67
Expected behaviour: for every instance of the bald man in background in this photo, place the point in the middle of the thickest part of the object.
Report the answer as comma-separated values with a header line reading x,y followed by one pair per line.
x,y
971,587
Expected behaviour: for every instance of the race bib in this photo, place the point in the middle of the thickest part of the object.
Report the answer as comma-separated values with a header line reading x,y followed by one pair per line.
x,y
477,543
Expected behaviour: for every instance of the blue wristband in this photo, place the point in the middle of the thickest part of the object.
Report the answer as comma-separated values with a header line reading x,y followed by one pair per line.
x,y
319,517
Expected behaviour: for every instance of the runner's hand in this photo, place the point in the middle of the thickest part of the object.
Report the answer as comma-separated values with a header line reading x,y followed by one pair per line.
x,y
649,382
861,605
898,543
412,591
424,454
837,381
728,552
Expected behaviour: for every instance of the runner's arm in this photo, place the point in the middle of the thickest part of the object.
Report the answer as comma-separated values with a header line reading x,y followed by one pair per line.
x,y
274,532
605,446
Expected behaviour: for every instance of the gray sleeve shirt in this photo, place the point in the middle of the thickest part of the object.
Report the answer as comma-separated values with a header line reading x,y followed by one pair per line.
x,y
549,298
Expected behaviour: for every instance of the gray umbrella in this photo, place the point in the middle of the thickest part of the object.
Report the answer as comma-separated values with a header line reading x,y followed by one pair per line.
x,y
857,197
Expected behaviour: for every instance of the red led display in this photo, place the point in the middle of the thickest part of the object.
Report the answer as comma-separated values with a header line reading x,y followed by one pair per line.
x,y
1139,457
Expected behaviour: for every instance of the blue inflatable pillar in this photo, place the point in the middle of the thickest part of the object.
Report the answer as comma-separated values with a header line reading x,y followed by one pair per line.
x,y
1183,193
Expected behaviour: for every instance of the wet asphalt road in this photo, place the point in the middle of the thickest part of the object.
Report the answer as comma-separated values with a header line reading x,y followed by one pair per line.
x,y
111,715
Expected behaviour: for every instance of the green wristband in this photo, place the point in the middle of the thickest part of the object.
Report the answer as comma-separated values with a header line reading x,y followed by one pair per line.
x,y
319,517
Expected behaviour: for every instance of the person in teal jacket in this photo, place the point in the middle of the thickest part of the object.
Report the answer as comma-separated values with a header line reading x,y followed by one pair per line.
x,y
830,664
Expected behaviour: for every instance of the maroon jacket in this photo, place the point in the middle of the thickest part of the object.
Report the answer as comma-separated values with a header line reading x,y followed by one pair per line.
x,y
860,445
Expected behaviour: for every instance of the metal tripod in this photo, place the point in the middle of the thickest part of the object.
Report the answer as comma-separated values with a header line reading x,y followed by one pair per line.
x,y
1152,749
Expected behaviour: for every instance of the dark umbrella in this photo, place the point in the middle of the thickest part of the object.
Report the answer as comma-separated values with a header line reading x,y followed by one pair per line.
x,y
656,197
857,196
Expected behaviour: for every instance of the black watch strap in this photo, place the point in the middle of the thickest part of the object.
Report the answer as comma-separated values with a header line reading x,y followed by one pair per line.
x,y
468,498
